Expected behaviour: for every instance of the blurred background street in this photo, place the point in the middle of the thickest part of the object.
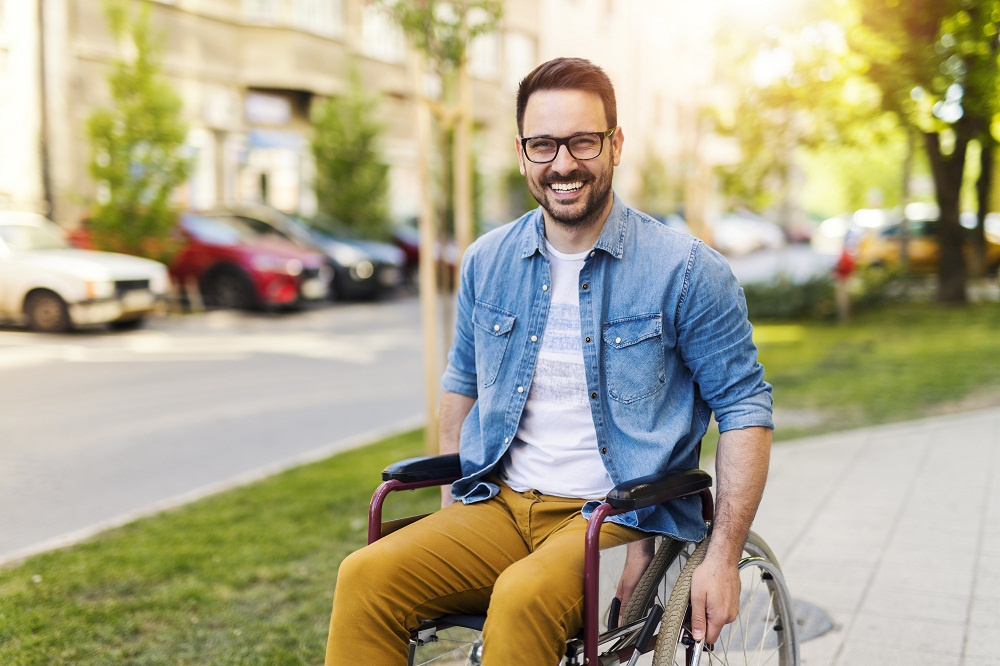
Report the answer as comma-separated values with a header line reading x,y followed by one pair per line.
x,y
230,232
100,428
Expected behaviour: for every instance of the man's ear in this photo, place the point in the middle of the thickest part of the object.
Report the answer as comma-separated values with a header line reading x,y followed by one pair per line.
x,y
616,145
520,155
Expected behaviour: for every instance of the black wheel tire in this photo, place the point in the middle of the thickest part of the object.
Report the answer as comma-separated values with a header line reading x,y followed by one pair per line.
x,y
229,289
127,324
47,313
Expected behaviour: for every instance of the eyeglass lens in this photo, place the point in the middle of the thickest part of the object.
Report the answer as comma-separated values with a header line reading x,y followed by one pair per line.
x,y
581,147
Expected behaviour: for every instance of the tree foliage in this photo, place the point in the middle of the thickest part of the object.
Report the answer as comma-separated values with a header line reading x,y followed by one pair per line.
x,y
935,63
352,180
929,64
443,29
136,144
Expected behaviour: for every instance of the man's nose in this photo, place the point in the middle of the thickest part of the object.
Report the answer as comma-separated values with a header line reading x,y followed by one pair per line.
x,y
564,162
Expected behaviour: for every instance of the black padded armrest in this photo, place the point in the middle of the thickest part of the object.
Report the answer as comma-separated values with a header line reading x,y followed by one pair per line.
x,y
658,488
425,468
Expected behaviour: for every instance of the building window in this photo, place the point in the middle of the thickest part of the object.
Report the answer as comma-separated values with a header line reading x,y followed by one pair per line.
x,y
264,11
484,57
519,58
381,37
324,17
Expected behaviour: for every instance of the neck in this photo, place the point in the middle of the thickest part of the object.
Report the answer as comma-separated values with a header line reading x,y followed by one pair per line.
x,y
577,237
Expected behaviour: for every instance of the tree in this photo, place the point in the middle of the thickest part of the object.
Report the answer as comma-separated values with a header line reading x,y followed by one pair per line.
x,y
352,180
441,33
935,63
136,144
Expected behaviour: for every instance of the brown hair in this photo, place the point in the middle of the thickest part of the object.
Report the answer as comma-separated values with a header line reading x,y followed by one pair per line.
x,y
568,74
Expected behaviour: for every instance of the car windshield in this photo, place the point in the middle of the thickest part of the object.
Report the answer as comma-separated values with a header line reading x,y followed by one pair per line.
x,y
221,230
26,237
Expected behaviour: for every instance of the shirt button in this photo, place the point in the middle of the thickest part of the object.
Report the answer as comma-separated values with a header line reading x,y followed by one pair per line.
x,y
545,287
506,439
592,253
534,338
604,449
587,339
593,395
496,327
520,389
618,341
586,286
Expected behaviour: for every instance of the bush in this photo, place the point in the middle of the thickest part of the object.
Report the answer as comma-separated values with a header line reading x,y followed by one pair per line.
x,y
784,298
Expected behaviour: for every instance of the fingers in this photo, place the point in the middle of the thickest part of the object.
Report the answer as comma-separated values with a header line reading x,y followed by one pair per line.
x,y
699,603
715,597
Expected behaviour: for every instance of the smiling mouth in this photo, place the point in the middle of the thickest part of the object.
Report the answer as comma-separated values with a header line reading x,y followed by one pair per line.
x,y
567,188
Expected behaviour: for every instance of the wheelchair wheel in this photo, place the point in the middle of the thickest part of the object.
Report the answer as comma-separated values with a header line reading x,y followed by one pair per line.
x,y
764,630
449,646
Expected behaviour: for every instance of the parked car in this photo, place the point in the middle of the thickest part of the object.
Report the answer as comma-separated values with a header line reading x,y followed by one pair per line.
x,y
52,286
360,269
406,236
238,263
741,233
883,247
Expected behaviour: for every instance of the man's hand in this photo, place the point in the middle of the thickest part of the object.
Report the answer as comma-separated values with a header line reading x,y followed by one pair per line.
x,y
638,555
715,597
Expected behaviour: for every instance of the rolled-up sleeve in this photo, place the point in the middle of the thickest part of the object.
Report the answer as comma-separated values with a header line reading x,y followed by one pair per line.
x,y
460,375
715,340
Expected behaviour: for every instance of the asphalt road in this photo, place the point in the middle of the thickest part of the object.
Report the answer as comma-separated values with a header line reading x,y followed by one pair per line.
x,y
97,428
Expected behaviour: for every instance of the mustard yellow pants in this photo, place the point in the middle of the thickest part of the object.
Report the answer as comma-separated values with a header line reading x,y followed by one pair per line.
x,y
520,554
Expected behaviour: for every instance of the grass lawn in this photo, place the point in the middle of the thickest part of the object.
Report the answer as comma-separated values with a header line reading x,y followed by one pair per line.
x,y
245,577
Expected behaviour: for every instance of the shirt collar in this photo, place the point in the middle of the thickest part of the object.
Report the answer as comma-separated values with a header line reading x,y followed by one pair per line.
x,y
611,240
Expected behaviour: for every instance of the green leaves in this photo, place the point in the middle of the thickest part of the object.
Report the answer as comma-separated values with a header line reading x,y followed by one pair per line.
x,y
136,144
352,180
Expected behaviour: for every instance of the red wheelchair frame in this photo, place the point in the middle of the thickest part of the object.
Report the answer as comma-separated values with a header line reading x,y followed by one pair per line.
x,y
638,493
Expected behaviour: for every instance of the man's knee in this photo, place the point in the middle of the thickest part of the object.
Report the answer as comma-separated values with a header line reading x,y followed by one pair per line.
x,y
365,574
527,588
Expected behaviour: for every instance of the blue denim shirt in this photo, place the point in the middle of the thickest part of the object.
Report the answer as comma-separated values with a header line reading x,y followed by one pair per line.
x,y
666,342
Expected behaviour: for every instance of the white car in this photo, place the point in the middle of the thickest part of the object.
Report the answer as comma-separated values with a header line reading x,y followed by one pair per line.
x,y
54,287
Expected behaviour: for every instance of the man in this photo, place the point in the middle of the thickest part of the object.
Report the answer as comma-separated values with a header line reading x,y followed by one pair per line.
x,y
592,345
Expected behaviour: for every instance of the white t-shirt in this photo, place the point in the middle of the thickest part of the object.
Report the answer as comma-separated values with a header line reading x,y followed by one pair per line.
x,y
555,448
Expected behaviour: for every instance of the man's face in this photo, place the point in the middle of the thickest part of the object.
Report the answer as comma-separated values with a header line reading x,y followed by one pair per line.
x,y
572,192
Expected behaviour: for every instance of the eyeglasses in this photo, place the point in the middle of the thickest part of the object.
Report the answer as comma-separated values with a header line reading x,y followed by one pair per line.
x,y
582,146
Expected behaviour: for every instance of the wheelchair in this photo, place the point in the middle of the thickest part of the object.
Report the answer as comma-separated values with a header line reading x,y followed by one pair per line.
x,y
657,618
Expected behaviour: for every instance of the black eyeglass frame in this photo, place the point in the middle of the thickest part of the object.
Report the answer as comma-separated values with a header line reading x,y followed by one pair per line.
x,y
564,141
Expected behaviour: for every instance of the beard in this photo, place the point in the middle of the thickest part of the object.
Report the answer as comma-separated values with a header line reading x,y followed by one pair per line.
x,y
590,205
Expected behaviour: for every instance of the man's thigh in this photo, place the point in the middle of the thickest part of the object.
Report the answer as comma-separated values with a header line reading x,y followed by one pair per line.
x,y
447,562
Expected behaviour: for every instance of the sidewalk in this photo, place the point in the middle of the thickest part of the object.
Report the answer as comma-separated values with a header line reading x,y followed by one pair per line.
x,y
894,531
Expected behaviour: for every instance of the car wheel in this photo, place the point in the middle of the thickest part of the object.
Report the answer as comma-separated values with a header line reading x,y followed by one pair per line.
x,y
47,312
127,324
229,289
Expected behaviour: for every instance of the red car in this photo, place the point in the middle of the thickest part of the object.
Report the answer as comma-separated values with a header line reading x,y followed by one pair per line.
x,y
235,263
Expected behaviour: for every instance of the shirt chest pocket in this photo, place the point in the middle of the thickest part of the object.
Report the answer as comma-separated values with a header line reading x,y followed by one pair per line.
x,y
633,357
492,328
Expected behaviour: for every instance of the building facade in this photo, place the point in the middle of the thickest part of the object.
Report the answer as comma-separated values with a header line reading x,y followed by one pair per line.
x,y
249,72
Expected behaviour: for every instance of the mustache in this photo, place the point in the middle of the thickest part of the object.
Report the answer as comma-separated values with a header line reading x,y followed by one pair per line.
x,y
570,177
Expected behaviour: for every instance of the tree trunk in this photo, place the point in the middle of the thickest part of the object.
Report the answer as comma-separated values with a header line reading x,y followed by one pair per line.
x,y
987,156
948,171
429,307
907,193
463,166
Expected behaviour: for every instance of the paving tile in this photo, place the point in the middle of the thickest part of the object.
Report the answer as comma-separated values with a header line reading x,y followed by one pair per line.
x,y
983,640
984,611
931,636
889,654
913,605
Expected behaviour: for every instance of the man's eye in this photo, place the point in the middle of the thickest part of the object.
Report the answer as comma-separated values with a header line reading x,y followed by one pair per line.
x,y
542,144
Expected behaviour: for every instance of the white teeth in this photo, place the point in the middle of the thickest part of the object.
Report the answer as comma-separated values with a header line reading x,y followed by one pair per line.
x,y
567,187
